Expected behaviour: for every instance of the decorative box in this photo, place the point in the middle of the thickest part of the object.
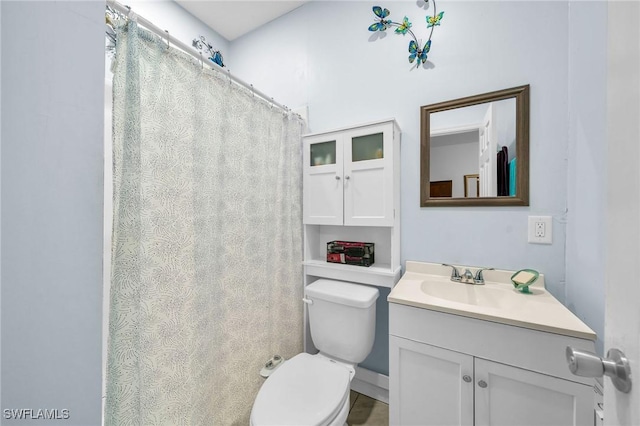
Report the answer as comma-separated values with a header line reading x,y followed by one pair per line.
x,y
350,252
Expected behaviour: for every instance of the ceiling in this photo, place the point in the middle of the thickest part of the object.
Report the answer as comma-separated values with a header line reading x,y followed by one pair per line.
x,y
233,19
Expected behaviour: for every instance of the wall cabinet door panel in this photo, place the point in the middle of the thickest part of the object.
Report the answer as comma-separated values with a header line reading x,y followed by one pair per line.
x,y
368,174
323,187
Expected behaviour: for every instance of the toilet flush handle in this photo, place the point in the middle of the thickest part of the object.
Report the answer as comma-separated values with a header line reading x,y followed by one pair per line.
x,y
307,301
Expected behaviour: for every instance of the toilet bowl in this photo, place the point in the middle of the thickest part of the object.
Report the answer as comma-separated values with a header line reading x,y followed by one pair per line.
x,y
307,390
314,390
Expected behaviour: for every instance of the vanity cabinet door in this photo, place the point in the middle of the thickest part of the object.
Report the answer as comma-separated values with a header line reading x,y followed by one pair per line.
x,y
429,385
323,180
368,176
507,396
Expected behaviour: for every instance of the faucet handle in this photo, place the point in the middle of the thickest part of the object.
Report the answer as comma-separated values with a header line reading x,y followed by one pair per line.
x,y
479,278
455,275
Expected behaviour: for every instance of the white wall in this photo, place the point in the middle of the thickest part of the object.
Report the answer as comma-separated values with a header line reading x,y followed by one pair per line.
x,y
51,174
586,168
0,207
322,55
453,156
181,24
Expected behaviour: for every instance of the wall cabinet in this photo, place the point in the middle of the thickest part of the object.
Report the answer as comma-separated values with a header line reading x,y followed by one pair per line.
x,y
432,384
351,192
349,176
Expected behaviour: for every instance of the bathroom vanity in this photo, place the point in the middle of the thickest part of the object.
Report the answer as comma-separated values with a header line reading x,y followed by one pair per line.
x,y
465,354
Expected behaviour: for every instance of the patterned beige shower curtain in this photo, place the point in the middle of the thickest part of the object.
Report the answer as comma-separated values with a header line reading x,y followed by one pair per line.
x,y
207,240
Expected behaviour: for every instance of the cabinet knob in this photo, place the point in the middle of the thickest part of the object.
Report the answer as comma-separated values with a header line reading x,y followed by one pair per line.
x,y
337,177
466,378
482,384
347,177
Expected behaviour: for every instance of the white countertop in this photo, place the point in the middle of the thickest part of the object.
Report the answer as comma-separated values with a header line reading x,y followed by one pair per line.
x,y
497,300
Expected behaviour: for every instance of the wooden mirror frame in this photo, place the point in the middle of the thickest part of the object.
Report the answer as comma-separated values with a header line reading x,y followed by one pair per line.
x,y
521,95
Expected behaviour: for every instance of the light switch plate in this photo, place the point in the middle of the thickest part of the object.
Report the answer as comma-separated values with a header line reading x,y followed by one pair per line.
x,y
540,229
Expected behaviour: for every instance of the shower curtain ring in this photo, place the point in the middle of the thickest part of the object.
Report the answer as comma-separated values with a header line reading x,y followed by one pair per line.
x,y
229,75
272,103
253,93
201,61
168,39
131,15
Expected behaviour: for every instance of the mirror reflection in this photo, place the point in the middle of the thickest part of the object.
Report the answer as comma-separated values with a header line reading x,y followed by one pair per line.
x,y
474,140
475,150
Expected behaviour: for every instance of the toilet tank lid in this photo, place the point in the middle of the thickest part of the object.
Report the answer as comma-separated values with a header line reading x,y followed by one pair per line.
x,y
350,294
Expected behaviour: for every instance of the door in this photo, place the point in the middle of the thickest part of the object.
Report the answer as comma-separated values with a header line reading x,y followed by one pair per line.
x,y
622,313
368,176
507,396
429,385
322,180
487,161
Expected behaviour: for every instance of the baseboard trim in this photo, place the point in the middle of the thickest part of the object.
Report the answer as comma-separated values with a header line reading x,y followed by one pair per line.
x,y
372,384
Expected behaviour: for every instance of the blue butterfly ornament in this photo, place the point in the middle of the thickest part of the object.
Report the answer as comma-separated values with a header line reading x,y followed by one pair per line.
x,y
434,20
416,53
216,58
382,24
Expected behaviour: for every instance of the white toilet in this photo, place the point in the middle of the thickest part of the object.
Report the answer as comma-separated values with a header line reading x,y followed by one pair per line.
x,y
313,390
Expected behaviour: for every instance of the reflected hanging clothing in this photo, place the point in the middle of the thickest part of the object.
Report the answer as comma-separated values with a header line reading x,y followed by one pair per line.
x,y
503,172
512,178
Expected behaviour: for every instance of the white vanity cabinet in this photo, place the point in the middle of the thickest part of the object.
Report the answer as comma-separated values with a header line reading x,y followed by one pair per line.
x,y
447,369
348,175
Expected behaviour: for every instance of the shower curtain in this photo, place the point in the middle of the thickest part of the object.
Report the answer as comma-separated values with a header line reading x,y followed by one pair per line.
x,y
207,240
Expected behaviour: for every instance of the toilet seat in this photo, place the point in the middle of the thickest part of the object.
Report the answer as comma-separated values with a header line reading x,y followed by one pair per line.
x,y
305,390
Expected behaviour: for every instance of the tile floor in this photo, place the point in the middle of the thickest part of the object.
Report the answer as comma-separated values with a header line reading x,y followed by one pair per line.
x,y
367,411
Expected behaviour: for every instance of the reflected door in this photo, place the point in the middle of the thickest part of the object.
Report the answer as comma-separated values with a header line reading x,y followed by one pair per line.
x,y
488,170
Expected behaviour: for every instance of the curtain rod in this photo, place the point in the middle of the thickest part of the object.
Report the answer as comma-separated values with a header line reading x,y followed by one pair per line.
x,y
128,12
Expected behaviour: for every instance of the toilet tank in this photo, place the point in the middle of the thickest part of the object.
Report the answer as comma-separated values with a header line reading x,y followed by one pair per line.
x,y
342,318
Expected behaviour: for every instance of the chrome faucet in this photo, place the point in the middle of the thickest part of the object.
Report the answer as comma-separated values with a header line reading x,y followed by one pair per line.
x,y
479,278
467,277
455,275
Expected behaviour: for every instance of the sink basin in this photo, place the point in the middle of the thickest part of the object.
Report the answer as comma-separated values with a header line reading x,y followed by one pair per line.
x,y
469,294
428,286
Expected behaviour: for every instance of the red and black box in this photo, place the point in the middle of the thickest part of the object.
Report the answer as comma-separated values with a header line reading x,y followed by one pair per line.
x,y
350,253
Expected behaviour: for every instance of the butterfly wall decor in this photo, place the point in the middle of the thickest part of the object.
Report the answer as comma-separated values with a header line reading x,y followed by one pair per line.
x,y
204,46
417,51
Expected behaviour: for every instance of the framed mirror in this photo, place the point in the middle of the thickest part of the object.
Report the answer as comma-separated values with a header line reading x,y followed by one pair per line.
x,y
474,151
